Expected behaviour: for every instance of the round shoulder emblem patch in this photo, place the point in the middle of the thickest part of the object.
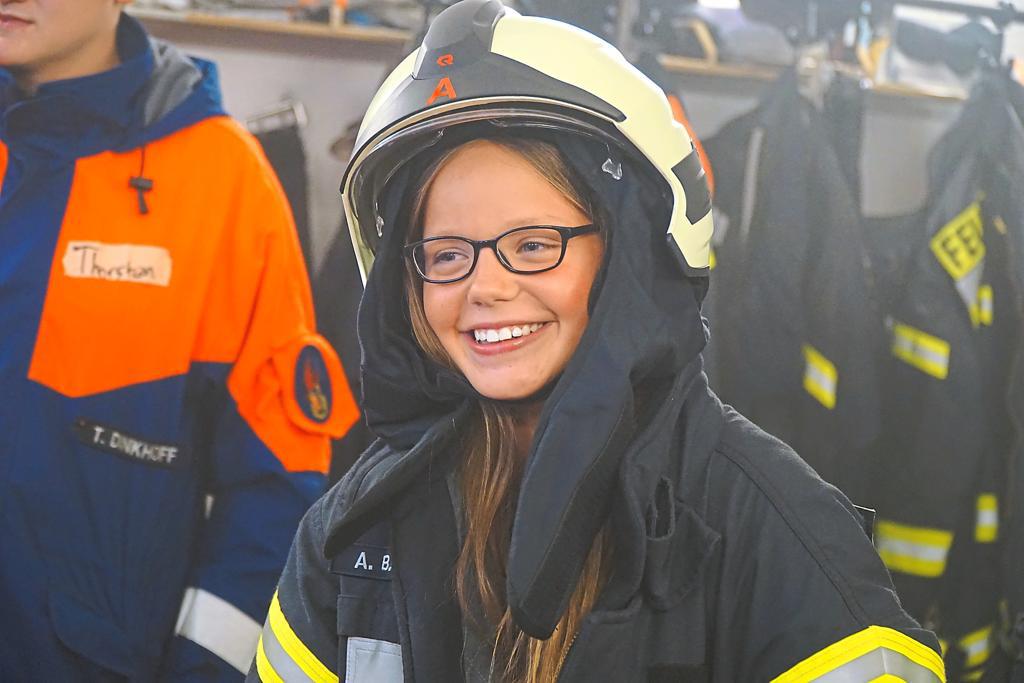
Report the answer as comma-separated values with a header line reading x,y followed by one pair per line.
x,y
312,384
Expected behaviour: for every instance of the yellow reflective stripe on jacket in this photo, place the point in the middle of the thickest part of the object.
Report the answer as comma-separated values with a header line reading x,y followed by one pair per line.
x,y
876,653
959,246
282,656
982,310
820,377
925,352
986,529
977,647
913,550
263,666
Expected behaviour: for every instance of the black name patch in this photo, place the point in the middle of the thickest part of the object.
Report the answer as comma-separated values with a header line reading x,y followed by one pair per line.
x,y
115,441
364,561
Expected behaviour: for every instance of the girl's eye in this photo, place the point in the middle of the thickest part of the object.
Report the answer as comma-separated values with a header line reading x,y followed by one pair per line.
x,y
447,256
533,246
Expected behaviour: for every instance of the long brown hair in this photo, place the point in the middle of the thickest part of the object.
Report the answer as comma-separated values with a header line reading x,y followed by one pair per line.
x,y
491,471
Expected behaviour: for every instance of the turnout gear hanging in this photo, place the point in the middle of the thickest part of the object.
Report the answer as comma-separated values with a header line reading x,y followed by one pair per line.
x,y
795,330
732,560
943,469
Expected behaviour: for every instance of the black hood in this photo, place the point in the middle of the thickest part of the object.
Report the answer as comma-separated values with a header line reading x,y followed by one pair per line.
x,y
645,332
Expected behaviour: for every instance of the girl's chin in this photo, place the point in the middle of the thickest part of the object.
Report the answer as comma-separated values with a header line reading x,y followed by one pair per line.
x,y
510,391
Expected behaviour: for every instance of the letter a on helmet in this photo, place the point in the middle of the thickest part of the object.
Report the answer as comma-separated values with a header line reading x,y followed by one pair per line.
x,y
483,62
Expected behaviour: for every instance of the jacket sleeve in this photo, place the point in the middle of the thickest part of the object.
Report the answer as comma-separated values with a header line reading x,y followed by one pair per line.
x,y
280,398
299,641
803,596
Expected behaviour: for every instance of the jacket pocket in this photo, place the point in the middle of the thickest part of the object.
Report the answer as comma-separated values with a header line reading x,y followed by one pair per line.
x,y
679,546
104,647
372,661
368,633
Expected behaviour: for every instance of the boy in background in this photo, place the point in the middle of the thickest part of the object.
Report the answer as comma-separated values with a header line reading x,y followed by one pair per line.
x,y
165,402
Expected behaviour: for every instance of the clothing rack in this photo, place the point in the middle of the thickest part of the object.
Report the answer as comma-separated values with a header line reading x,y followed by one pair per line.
x,y
1002,15
287,114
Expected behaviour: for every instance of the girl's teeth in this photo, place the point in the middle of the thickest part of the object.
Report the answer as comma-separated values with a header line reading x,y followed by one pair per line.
x,y
505,333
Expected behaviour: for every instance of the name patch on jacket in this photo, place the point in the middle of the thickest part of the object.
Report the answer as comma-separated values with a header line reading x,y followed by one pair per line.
x,y
364,561
115,441
139,263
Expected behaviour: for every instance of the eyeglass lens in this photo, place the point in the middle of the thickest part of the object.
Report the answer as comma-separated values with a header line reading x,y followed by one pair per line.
x,y
528,250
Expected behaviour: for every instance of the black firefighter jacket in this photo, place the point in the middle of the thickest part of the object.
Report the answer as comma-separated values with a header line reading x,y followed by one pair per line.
x,y
945,471
794,333
732,560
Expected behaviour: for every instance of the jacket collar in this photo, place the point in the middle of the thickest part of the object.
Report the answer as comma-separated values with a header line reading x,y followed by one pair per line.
x,y
82,116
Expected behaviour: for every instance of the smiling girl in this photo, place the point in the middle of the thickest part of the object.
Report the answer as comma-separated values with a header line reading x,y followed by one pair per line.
x,y
555,493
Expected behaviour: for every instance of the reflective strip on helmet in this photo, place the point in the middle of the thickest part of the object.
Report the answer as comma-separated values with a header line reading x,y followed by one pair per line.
x,y
282,656
218,626
976,646
877,653
923,351
982,310
820,377
913,550
959,246
986,529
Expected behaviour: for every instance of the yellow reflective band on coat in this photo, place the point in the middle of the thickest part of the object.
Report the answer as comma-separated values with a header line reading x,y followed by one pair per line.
x,y
282,656
959,246
982,310
913,550
712,259
820,377
877,653
972,676
263,666
976,646
923,351
986,529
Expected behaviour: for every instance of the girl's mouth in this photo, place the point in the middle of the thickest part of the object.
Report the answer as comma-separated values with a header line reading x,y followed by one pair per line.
x,y
494,340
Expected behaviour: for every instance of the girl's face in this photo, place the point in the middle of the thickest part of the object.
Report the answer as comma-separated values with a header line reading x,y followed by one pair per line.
x,y
48,40
482,191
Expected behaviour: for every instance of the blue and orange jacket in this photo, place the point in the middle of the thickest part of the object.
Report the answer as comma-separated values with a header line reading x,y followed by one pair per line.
x,y
165,403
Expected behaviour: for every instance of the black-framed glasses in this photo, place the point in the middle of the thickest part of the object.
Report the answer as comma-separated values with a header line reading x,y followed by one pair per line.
x,y
527,250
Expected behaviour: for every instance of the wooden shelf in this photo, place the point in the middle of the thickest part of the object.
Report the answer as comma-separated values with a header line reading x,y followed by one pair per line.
x,y
700,67
689,66
385,37
393,38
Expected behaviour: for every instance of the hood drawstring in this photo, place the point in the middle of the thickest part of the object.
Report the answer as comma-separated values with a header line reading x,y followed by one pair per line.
x,y
141,184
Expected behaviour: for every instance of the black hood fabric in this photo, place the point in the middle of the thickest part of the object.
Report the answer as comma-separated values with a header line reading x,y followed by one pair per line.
x,y
645,332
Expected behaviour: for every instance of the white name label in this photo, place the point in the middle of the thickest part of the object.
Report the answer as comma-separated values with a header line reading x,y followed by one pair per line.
x,y
139,263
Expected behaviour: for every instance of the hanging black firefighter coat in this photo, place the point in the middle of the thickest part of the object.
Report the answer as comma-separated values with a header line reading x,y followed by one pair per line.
x,y
794,331
954,318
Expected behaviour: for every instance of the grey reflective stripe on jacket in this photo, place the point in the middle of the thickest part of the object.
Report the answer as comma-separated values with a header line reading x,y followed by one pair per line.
x,y
875,653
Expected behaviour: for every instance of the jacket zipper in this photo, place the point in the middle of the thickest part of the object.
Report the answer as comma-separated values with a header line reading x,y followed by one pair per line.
x,y
565,657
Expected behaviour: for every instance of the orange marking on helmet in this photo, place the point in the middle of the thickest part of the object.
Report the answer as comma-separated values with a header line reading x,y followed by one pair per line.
x,y
444,89
679,114
446,60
